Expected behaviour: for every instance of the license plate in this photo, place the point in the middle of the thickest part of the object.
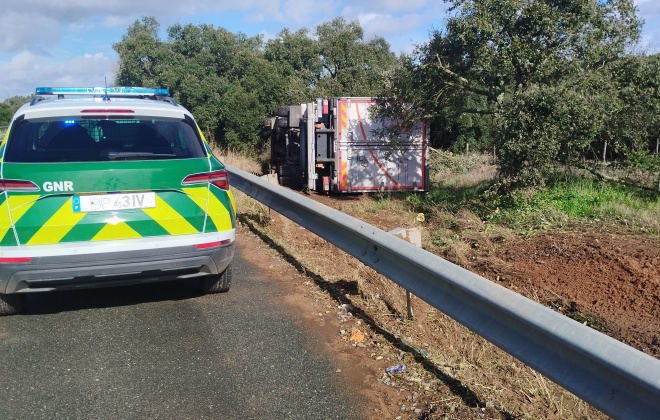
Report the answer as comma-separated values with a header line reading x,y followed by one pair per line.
x,y
109,202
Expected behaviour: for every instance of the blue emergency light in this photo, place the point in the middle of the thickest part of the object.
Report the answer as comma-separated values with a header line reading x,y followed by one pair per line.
x,y
123,91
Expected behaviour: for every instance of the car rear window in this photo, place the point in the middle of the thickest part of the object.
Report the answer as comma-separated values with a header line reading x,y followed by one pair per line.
x,y
87,140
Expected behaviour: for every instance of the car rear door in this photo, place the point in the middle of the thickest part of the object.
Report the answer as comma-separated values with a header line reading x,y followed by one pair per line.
x,y
122,189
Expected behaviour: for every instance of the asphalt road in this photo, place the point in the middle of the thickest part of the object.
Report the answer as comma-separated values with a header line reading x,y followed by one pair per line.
x,y
165,352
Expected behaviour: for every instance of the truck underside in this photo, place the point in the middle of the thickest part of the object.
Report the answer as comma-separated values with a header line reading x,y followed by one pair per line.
x,y
335,145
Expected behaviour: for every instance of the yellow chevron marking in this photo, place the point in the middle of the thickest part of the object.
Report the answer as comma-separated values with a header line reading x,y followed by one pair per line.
x,y
343,117
57,226
116,231
198,194
218,214
343,175
4,140
18,205
231,199
216,210
5,221
169,219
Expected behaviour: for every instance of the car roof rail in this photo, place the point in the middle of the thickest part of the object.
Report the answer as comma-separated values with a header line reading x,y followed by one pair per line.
x,y
36,100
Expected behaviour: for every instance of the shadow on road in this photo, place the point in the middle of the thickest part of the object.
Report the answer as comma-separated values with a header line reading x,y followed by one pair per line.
x,y
108,297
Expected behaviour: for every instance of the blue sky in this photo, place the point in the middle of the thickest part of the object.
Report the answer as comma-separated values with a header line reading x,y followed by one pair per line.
x,y
69,42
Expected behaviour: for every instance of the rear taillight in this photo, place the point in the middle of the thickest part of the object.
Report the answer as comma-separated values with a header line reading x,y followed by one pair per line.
x,y
17,185
218,178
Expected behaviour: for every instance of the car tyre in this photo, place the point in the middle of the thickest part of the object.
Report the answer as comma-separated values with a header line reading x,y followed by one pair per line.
x,y
11,304
218,283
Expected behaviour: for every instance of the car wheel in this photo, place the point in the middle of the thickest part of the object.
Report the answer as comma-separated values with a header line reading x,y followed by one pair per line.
x,y
218,283
11,304
284,181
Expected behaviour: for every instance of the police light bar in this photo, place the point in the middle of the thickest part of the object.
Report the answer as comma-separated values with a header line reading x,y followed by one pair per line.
x,y
123,91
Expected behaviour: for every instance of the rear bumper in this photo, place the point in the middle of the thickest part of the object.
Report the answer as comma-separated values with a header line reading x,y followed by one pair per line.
x,y
113,267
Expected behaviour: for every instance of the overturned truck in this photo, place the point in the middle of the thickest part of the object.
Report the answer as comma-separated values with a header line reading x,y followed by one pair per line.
x,y
335,145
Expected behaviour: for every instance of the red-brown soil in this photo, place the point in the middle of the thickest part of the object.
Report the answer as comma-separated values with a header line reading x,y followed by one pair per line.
x,y
612,281
608,278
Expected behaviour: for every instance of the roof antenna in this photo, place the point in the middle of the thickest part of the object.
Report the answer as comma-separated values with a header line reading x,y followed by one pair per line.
x,y
106,97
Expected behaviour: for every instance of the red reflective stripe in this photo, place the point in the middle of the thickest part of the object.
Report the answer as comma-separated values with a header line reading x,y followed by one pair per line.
x,y
107,111
213,244
16,260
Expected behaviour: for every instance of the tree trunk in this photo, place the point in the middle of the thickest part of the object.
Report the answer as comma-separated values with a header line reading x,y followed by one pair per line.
x,y
605,152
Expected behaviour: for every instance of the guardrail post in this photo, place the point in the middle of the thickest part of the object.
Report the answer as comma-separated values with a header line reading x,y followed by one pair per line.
x,y
414,236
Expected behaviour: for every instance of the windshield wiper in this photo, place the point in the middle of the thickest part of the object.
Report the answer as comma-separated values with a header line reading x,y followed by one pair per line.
x,y
138,155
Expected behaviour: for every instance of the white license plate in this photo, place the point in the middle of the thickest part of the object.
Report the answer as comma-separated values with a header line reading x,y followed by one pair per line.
x,y
109,202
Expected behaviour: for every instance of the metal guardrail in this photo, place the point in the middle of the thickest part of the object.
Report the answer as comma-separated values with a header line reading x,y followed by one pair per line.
x,y
613,377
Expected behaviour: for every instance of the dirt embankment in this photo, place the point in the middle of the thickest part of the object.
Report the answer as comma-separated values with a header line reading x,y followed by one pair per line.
x,y
610,281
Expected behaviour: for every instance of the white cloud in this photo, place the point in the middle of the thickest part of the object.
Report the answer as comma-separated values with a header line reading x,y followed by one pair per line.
x,y
26,70
26,23
292,14
15,36
650,42
45,41
384,25
650,8
649,11
38,24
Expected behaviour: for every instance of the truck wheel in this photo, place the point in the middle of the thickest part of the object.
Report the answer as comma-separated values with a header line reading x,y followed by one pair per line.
x,y
11,304
285,181
290,182
217,283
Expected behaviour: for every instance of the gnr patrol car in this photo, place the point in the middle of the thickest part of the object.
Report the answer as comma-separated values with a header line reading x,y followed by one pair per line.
x,y
110,186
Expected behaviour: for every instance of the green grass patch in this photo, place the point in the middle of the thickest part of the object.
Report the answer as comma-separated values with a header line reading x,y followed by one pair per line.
x,y
563,203
588,198
452,198
578,200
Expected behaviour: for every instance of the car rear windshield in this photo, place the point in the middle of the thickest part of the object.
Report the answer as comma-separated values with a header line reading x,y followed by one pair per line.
x,y
86,140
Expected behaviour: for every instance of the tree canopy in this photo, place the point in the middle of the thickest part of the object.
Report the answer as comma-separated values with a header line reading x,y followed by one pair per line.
x,y
231,82
546,83
9,107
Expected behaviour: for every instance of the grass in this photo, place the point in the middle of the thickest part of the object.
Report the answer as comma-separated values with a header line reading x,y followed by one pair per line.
x,y
564,202
463,211
461,183
578,201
